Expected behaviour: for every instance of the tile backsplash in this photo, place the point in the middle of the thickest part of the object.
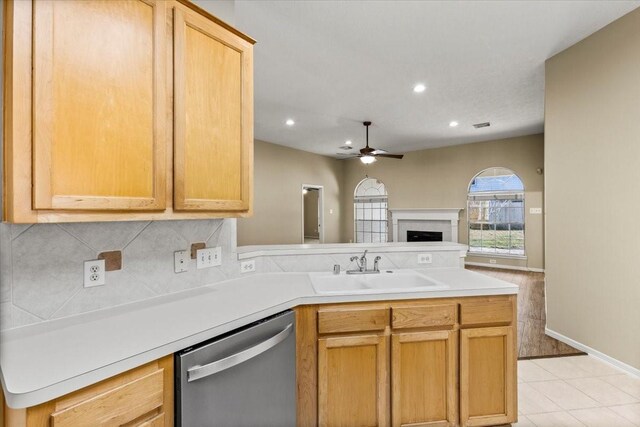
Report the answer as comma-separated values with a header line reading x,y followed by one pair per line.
x,y
41,265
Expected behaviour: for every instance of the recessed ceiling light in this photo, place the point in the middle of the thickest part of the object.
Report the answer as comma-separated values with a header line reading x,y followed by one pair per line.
x,y
419,88
348,142
453,124
290,122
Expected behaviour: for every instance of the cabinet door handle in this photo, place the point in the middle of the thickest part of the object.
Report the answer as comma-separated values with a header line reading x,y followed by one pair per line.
x,y
197,372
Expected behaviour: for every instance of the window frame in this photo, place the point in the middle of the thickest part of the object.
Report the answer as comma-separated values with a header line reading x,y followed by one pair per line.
x,y
383,199
524,211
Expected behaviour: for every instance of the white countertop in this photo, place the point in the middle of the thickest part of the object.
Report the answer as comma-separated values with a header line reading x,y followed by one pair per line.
x,y
47,360
245,252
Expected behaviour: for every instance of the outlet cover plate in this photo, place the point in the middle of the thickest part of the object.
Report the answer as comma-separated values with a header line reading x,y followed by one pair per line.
x,y
425,258
94,273
248,266
181,261
209,257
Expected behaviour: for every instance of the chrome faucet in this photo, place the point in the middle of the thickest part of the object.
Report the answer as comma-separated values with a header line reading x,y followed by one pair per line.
x,y
361,262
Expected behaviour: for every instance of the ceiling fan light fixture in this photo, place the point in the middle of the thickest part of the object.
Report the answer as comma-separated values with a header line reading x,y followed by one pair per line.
x,y
367,160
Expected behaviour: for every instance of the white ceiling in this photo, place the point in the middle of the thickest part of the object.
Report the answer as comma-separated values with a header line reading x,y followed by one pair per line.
x,y
330,65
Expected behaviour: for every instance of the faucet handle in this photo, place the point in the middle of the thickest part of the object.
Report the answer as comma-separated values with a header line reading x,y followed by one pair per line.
x,y
375,263
336,269
354,258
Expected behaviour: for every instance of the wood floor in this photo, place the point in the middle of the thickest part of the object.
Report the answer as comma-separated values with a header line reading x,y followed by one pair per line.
x,y
532,342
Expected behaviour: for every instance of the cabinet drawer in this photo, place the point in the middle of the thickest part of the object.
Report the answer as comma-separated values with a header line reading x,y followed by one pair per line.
x,y
352,320
486,312
157,421
423,316
117,406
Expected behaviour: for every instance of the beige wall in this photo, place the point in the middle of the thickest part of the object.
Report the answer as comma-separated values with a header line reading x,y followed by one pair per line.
x,y
311,213
592,162
436,178
439,178
280,173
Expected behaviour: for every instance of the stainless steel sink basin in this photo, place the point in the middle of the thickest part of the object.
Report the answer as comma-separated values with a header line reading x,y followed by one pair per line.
x,y
386,282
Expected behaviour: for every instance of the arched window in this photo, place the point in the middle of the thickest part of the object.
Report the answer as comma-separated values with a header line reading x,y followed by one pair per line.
x,y
495,209
370,211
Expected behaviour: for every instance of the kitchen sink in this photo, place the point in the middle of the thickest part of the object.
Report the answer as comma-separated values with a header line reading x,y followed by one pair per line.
x,y
384,282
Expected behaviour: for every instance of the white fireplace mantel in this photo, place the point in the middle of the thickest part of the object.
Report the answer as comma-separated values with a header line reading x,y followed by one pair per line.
x,y
426,214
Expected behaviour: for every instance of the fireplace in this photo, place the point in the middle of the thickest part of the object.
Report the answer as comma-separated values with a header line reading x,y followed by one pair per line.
x,y
424,236
440,220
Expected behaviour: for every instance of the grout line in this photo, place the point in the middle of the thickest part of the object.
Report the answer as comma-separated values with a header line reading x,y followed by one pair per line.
x,y
12,238
64,304
136,235
215,231
78,239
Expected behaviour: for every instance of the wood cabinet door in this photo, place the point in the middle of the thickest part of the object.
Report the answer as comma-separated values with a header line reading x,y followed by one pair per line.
x,y
487,376
213,115
353,384
423,379
99,91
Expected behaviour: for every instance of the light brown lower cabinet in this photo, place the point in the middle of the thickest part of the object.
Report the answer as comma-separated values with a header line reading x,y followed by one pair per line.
x,y
434,363
487,376
353,387
423,378
141,397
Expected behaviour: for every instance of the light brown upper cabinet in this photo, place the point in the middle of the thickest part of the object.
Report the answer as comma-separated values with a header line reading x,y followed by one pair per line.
x,y
213,116
99,105
117,110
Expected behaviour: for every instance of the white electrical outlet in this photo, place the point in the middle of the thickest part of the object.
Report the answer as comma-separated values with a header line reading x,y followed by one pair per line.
x,y
94,273
209,257
425,258
492,261
181,261
535,211
248,266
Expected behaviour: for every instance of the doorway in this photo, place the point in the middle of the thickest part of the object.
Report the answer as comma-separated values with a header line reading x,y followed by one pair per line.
x,y
312,214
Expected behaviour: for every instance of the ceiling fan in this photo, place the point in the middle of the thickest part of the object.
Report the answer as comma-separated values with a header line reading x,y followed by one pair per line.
x,y
368,155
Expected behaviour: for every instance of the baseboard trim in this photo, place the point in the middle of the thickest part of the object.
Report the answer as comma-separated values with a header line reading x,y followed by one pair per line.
x,y
592,352
504,267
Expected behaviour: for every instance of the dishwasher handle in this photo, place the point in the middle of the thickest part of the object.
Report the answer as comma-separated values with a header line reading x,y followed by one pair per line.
x,y
197,372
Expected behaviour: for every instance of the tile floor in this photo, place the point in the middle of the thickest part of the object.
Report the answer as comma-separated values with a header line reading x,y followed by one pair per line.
x,y
576,391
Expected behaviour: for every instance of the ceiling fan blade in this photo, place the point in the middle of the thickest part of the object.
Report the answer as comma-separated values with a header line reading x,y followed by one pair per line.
x,y
348,156
378,151
391,156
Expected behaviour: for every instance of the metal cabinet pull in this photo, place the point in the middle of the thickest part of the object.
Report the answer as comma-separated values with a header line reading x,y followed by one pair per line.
x,y
197,372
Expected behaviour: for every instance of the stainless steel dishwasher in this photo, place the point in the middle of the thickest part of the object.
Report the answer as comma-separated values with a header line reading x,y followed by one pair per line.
x,y
243,378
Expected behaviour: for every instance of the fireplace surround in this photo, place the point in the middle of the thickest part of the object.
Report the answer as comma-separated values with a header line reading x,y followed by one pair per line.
x,y
443,220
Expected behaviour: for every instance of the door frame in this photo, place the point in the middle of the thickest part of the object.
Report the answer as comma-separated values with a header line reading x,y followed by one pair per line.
x,y
320,189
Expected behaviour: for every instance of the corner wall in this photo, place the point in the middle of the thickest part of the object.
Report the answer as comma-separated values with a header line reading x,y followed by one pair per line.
x,y
280,173
592,169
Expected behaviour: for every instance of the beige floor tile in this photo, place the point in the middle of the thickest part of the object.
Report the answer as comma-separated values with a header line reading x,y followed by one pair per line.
x,y
630,412
601,391
626,383
531,401
555,419
529,371
600,417
562,367
523,422
595,367
564,395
